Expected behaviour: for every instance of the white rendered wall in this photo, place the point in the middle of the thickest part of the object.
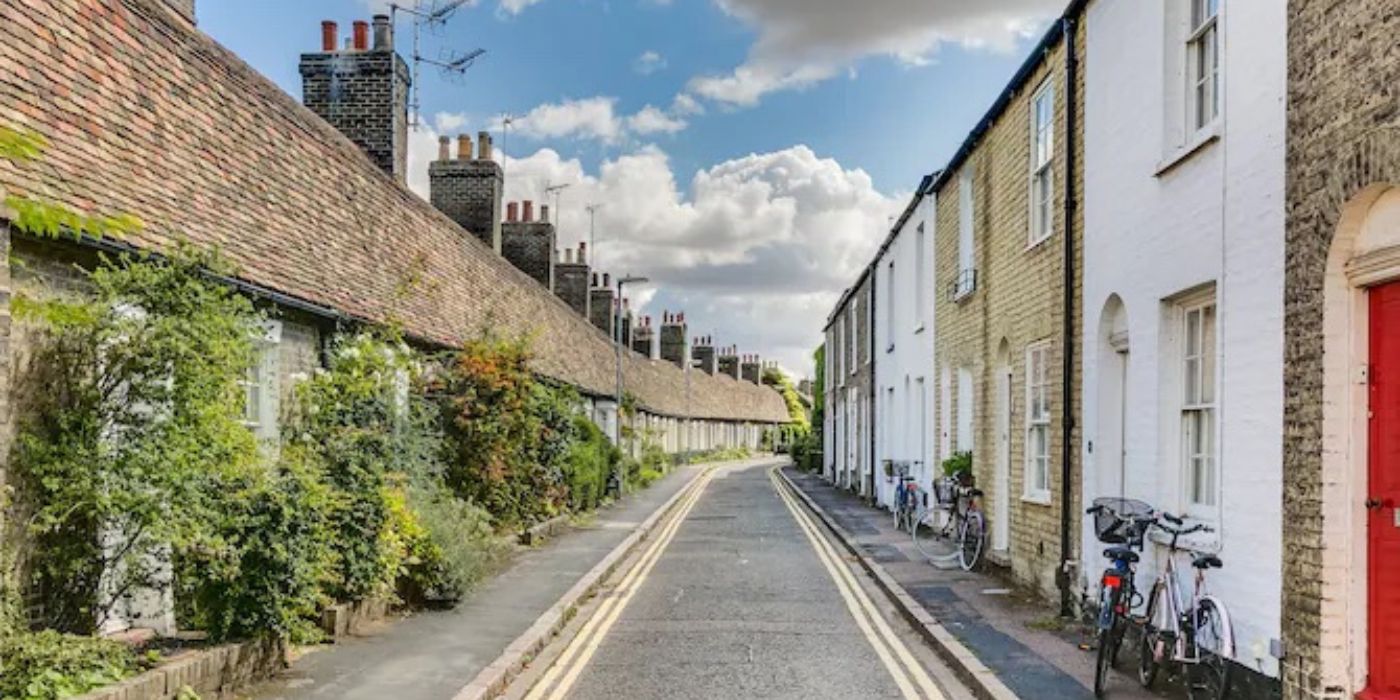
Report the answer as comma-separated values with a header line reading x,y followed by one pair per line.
x,y
1157,224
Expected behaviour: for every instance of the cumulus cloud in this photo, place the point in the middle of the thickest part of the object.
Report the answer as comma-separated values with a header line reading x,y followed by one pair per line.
x,y
649,62
686,105
802,42
591,118
652,121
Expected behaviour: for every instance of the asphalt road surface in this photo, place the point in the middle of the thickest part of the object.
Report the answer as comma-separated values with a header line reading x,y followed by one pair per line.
x,y
740,595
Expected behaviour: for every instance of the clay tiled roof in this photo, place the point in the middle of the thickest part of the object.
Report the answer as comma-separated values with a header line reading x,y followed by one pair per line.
x,y
146,115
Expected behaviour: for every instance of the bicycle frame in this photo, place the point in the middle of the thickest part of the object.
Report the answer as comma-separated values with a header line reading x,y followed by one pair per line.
x,y
1175,609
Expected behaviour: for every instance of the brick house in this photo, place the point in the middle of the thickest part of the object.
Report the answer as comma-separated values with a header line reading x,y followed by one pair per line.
x,y
1007,242
850,406
144,114
1341,554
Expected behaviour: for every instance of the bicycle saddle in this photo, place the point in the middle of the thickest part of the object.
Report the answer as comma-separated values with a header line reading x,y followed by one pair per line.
x,y
1206,561
974,492
1121,553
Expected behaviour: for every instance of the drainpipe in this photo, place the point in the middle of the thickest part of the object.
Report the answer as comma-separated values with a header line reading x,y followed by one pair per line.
x,y
1067,388
870,395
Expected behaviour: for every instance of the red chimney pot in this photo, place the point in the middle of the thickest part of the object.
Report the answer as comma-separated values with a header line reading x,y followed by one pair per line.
x,y
361,35
329,36
527,211
512,212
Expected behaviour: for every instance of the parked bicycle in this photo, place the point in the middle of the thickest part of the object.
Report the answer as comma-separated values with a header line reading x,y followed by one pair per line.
x,y
906,498
1197,633
955,514
1121,522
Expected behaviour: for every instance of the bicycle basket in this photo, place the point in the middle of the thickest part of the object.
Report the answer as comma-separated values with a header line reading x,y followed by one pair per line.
x,y
1115,518
946,490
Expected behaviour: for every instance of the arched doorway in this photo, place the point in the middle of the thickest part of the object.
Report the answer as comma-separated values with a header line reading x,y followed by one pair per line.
x,y
1361,441
1111,444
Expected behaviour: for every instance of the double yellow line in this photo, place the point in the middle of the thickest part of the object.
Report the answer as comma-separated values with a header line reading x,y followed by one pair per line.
x,y
913,681
561,676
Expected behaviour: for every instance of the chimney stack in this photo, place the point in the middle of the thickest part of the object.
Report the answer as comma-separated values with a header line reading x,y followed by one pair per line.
x,y
330,36
383,33
464,147
468,190
529,244
674,340
362,93
642,339
704,354
752,369
361,29
601,305
571,282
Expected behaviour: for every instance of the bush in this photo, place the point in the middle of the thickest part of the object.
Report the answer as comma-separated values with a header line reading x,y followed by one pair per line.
x,y
959,465
50,665
449,544
590,461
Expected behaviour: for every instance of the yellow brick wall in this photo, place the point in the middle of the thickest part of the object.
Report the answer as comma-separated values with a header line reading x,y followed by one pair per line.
x,y
1018,302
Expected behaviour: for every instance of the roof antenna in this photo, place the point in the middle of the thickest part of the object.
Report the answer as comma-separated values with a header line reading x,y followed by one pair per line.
x,y
451,64
555,190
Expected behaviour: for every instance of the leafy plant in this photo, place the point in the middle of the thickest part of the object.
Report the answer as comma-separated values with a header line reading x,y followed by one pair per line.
x,y
49,665
959,465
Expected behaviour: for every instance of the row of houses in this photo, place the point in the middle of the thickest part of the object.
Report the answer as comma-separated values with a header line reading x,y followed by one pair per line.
x,y
143,114
1163,266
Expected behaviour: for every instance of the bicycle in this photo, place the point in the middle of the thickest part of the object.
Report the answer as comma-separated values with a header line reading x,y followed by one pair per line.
x,y
1123,523
1199,636
906,500
963,519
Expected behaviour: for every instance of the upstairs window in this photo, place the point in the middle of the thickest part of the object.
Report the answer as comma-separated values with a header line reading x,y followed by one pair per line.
x,y
889,305
920,273
1203,63
966,281
1042,153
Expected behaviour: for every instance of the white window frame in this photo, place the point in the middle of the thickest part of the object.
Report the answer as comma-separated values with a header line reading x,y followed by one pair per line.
x,y
1036,484
851,333
889,306
1202,64
920,276
1198,411
1042,158
262,386
967,219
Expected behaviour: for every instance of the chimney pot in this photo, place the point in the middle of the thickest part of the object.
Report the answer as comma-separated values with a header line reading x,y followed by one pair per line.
x,y
582,247
383,33
544,213
444,148
483,139
464,146
626,303
568,255
329,36
607,280
527,211
595,279
361,35
512,211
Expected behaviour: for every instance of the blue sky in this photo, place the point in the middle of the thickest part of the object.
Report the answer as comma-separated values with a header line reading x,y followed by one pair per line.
x,y
754,199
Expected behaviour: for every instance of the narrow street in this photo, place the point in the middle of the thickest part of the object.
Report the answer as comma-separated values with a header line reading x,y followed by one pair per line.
x,y
739,595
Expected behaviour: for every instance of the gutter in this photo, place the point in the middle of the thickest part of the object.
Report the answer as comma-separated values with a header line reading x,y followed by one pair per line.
x,y
1064,577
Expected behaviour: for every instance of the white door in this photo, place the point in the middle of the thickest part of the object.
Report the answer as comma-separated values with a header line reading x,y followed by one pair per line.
x,y
1001,525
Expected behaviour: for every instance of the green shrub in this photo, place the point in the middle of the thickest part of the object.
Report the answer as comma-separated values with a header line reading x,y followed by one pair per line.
x,y
50,665
958,465
591,459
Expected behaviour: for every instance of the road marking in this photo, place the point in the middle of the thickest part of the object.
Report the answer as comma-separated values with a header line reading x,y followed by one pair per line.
x,y
888,646
566,669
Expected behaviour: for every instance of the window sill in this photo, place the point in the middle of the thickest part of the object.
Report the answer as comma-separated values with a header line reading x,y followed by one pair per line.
x,y
1040,499
1039,241
1197,143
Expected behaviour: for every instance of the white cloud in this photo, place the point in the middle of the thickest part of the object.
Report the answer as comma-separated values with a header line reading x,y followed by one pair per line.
x,y
588,118
755,250
802,42
450,122
649,62
652,121
686,105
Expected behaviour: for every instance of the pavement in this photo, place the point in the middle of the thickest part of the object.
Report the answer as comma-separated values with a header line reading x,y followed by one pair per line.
x,y
432,655
739,603
1012,632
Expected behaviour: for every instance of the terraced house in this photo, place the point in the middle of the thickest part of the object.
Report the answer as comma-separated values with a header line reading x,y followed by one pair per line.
x,y
144,114
850,410
1007,254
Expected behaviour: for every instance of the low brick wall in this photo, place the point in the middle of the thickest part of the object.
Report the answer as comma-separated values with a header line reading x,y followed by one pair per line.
x,y
212,673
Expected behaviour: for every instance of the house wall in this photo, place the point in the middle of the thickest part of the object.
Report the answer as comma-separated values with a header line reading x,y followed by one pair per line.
x,y
1343,152
1018,303
1162,219
850,402
904,377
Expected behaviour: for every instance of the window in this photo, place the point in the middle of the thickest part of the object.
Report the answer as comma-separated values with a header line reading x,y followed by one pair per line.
x,y
920,249
1038,423
260,386
851,333
889,305
1198,406
965,440
1203,63
966,281
1042,153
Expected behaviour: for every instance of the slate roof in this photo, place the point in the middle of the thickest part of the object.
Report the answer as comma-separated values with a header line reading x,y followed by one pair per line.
x,y
146,115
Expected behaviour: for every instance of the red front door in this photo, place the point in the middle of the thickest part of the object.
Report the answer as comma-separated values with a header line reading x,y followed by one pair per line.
x,y
1383,495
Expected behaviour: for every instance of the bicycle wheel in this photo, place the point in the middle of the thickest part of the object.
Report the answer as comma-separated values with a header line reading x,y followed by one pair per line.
x,y
925,534
1148,664
1209,677
971,536
1109,637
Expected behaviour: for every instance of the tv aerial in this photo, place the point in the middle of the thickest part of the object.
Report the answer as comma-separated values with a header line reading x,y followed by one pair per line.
x,y
432,16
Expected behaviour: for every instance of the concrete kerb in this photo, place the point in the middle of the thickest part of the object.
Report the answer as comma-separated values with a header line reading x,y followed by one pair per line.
x,y
493,679
964,663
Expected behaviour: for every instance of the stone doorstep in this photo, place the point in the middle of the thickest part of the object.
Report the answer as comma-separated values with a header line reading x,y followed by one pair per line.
x,y
209,672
